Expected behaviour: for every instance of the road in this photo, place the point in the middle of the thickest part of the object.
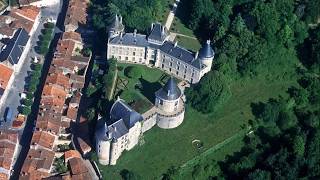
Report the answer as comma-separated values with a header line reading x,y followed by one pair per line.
x,y
13,100
56,12
171,15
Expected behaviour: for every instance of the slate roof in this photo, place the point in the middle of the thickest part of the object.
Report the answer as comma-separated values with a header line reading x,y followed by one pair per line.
x,y
206,51
15,47
180,53
123,118
158,33
117,24
170,91
120,110
131,39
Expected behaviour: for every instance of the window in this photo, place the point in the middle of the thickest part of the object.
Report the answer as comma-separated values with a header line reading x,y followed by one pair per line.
x,y
134,53
171,64
162,65
170,69
177,72
178,68
119,57
161,102
127,58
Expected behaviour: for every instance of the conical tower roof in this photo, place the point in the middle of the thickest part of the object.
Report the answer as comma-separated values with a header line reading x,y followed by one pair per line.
x,y
117,24
170,91
206,51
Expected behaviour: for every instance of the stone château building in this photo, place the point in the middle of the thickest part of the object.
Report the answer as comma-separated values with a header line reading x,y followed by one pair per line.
x,y
156,50
126,125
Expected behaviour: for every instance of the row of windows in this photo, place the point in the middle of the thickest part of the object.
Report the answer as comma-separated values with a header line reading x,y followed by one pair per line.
x,y
178,74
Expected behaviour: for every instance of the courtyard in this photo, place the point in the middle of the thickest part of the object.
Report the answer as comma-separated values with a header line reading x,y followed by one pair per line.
x,y
165,148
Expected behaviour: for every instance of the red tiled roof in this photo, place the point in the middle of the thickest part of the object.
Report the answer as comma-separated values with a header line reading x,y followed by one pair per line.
x,y
27,12
34,175
85,148
4,176
55,91
72,113
72,36
71,154
43,139
58,79
49,126
76,13
5,162
77,166
5,74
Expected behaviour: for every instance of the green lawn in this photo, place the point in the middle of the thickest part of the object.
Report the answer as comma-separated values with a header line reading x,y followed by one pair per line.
x,y
141,101
164,148
189,43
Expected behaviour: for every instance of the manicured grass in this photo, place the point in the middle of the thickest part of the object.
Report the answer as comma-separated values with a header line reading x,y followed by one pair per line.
x,y
188,43
150,82
178,27
164,148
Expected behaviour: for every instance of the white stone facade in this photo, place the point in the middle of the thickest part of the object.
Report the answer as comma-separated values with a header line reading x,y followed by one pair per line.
x,y
157,51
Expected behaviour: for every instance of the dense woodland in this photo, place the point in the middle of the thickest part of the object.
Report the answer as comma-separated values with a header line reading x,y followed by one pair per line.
x,y
263,39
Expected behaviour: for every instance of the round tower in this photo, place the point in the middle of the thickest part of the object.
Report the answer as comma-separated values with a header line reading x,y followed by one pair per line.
x,y
103,144
170,107
116,28
206,55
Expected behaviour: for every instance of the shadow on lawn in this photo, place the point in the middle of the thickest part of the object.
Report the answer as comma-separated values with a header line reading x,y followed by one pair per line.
x,y
149,88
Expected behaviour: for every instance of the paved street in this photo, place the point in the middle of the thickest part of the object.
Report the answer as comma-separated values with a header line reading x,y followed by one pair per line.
x,y
18,85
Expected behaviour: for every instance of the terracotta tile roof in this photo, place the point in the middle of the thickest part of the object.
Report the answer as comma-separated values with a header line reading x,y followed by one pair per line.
x,y
65,123
53,90
28,12
52,101
58,79
53,69
76,13
74,36
6,27
7,151
64,48
71,154
82,176
5,162
75,99
50,110
4,176
48,125
43,139
85,148
34,175
5,74
72,113
43,160
77,166
10,136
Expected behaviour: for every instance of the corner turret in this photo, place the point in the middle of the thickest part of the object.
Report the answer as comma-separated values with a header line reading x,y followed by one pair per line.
x,y
116,28
206,55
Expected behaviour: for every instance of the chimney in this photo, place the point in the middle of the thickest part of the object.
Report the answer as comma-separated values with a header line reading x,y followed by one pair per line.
x,y
120,19
175,44
121,34
162,29
197,54
152,25
208,41
135,33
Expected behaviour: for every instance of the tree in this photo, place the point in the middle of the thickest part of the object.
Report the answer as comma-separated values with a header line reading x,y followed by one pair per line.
x,y
27,102
134,72
60,165
128,175
298,146
259,174
209,94
25,110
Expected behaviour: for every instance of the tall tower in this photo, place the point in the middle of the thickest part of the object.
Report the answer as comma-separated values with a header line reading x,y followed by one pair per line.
x,y
170,107
116,28
206,55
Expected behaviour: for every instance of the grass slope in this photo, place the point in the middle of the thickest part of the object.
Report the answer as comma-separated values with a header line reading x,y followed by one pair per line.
x,y
164,148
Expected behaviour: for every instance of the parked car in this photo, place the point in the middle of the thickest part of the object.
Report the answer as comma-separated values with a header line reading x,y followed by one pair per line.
x,y
8,114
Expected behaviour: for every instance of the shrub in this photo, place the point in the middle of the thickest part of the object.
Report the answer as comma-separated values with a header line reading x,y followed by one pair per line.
x,y
25,110
28,102
29,95
49,25
134,72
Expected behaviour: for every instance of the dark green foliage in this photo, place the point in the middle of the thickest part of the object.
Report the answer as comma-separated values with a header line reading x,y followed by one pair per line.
x,y
25,110
60,165
128,175
109,79
28,102
137,14
209,94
